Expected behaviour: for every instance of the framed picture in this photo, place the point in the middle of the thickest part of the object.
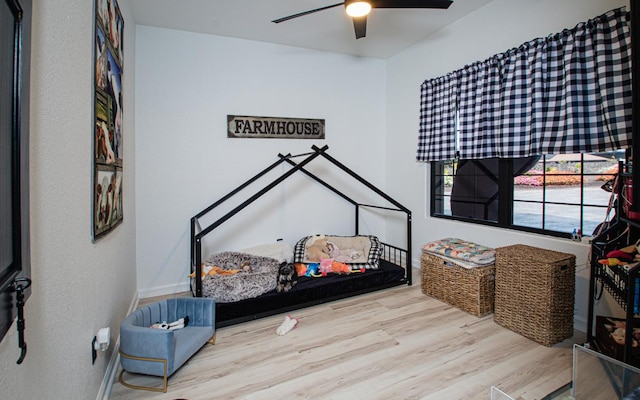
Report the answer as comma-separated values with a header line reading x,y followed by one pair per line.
x,y
107,130
108,198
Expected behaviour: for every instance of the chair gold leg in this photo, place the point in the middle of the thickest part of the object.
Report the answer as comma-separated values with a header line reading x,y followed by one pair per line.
x,y
213,339
152,389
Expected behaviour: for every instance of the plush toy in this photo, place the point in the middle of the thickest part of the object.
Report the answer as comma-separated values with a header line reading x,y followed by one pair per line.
x,y
632,248
325,265
301,269
340,268
619,254
612,262
313,270
223,272
287,325
215,270
346,255
205,271
318,250
172,326
287,277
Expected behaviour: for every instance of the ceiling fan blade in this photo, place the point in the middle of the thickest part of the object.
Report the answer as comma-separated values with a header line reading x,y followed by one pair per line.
x,y
411,3
360,26
277,21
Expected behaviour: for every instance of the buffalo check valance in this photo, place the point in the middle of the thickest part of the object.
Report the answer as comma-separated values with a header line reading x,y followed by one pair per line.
x,y
566,93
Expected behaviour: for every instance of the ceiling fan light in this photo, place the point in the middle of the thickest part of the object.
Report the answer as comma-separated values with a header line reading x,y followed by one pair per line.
x,y
357,8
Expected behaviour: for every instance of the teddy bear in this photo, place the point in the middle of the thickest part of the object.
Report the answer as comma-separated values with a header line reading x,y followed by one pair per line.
x,y
317,250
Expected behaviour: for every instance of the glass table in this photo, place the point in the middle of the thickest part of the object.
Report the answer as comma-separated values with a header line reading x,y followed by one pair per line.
x,y
595,377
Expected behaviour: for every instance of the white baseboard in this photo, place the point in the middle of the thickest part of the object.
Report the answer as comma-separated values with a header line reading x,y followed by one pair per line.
x,y
112,368
164,290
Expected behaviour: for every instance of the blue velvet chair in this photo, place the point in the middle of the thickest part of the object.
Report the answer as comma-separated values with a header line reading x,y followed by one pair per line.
x,y
160,352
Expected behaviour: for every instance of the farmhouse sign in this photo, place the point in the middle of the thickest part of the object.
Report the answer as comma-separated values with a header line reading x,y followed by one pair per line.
x,y
240,126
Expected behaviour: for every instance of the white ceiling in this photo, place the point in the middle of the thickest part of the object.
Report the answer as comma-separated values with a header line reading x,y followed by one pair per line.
x,y
389,31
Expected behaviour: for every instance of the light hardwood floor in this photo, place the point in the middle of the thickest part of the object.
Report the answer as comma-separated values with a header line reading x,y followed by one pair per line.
x,y
392,344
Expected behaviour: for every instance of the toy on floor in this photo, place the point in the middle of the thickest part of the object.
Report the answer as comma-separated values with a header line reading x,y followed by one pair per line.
x,y
287,325
172,326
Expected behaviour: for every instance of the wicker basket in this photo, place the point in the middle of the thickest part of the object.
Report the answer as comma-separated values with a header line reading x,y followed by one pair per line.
x,y
535,292
469,289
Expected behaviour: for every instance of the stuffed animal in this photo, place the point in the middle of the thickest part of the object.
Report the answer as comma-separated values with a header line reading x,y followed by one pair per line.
x,y
340,268
286,325
612,262
313,270
325,266
172,326
286,277
212,270
205,271
318,250
620,255
346,255
301,269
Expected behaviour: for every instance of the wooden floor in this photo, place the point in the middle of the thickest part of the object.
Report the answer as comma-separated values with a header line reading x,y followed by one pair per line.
x,y
392,344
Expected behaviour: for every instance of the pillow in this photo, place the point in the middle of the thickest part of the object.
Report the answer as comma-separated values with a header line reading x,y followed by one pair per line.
x,y
369,245
463,250
244,284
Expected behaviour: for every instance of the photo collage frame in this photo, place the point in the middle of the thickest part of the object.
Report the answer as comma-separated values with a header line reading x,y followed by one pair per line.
x,y
107,131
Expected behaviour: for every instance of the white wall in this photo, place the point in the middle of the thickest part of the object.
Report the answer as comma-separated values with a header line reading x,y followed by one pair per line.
x,y
495,28
78,286
186,84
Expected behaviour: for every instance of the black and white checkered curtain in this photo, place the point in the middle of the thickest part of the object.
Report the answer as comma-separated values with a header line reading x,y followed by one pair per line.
x,y
437,138
566,93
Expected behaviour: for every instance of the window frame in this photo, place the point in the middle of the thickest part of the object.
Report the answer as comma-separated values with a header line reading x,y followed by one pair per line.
x,y
506,207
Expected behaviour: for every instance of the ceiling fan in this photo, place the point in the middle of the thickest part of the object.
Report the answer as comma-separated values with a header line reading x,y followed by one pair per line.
x,y
359,9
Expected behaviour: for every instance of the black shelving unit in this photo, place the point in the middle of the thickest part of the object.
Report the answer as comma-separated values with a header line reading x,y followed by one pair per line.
x,y
620,281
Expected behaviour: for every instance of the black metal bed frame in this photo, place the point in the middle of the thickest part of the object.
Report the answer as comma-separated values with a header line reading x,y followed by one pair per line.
x,y
393,254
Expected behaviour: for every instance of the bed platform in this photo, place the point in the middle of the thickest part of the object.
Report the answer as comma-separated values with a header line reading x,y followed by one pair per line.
x,y
310,292
392,267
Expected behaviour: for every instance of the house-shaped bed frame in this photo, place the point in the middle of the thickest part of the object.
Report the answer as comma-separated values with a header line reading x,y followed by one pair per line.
x,y
395,265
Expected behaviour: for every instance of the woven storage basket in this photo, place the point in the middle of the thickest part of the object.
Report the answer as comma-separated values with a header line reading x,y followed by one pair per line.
x,y
535,292
469,289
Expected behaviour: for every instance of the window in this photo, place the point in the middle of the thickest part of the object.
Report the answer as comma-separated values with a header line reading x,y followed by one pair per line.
x,y
551,194
15,25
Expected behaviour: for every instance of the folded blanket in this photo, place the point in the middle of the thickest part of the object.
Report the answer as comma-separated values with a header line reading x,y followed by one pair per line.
x,y
462,250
